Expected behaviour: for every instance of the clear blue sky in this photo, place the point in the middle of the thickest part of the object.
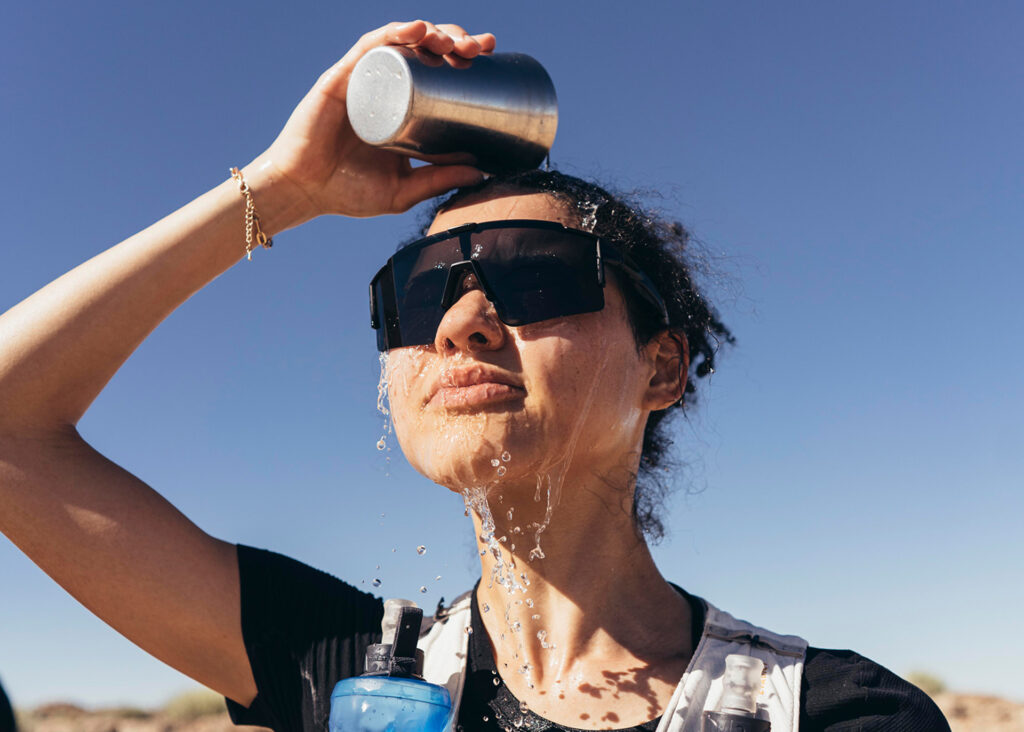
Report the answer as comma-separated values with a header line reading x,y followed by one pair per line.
x,y
854,168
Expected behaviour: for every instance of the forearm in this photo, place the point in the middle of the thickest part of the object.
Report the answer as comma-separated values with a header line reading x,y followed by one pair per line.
x,y
59,347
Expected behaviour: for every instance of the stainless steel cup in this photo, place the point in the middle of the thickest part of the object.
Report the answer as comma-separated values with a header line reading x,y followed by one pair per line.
x,y
500,113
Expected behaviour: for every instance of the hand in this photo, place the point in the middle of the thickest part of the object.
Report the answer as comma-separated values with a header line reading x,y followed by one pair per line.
x,y
335,171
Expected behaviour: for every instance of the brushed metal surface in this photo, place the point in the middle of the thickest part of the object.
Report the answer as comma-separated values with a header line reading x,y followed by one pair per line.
x,y
501,111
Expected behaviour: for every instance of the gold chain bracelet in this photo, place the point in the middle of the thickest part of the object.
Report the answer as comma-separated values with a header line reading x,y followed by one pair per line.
x,y
252,219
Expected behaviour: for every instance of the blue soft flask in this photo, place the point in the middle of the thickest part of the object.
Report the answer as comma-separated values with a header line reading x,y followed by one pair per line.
x,y
390,696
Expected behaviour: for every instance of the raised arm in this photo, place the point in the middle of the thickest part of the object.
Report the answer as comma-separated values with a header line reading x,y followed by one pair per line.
x,y
110,540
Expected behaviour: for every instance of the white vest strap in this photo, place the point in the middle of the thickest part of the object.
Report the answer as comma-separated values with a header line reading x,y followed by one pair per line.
x,y
700,689
445,647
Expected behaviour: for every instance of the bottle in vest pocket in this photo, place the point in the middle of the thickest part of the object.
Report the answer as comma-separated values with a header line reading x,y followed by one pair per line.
x,y
391,696
737,710
500,113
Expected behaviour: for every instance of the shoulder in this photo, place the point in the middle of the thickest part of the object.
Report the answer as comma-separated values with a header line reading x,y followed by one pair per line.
x,y
843,690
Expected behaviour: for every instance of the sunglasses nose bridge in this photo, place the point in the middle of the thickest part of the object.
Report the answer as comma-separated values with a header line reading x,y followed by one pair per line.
x,y
453,285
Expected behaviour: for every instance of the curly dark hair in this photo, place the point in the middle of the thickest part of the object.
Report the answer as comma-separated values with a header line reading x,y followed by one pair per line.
x,y
660,248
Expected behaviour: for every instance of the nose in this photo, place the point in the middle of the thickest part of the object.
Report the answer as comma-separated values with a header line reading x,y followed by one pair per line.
x,y
470,324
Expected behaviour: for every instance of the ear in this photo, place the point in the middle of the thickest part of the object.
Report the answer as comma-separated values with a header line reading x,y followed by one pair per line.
x,y
669,355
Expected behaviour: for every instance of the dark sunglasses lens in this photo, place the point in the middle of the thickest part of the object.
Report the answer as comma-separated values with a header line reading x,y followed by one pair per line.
x,y
420,274
536,274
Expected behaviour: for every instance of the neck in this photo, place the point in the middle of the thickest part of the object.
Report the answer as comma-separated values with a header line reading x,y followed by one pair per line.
x,y
567,581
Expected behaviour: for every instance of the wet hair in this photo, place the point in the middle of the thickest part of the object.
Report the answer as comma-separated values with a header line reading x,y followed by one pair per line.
x,y
659,246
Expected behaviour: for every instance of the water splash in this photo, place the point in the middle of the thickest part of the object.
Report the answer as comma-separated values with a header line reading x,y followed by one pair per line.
x,y
383,400
588,217
502,569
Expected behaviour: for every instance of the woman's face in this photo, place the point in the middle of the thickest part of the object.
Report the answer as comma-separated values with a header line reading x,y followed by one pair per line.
x,y
489,404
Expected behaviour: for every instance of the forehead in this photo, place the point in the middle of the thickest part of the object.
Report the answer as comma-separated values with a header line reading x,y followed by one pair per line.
x,y
498,206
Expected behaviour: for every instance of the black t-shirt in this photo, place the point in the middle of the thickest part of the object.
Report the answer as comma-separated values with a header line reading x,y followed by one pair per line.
x,y
6,714
304,630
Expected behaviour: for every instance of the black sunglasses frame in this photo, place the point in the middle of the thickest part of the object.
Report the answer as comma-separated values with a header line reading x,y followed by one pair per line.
x,y
389,332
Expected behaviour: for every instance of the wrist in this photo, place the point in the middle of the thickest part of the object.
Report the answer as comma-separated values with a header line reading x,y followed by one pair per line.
x,y
280,203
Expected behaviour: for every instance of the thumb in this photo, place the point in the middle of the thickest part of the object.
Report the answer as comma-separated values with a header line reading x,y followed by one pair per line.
x,y
433,180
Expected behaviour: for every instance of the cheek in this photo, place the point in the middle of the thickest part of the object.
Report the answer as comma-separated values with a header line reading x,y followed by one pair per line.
x,y
402,374
586,379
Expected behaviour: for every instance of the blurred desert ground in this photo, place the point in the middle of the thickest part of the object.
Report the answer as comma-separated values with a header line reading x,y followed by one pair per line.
x,y
203,711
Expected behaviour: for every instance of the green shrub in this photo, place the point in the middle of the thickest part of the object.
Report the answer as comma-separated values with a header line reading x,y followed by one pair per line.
x,y
930,685
194,704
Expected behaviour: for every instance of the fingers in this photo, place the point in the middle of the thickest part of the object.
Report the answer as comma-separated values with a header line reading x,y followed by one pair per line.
x,y
433,180
447,40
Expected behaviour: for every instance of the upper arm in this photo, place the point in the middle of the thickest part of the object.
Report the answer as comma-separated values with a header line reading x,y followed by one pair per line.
x,y
128,555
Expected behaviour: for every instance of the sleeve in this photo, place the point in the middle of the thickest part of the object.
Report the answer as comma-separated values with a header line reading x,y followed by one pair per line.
x,y
842,691
6,714
303,630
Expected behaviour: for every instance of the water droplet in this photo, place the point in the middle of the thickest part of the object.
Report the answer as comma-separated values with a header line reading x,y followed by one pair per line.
x,y
381,444
510,512
486,718
495,463
423,588
512,547
529,602
536,617
486,608
518,722
377,567
536,553
517,627
524,707
394,549
505,457
376,582
496,680
469,630
421,550
437,578
501,471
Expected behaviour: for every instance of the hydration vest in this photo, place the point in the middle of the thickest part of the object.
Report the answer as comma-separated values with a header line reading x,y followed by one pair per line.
x,y
446,644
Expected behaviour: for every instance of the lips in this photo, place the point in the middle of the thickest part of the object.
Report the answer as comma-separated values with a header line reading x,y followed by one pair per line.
x,y
471,387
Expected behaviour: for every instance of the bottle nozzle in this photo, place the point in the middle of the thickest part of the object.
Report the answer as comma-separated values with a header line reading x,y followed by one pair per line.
x,y
396,654
742,682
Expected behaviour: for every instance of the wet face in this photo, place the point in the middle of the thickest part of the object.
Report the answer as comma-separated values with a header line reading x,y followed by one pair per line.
x,y
494,405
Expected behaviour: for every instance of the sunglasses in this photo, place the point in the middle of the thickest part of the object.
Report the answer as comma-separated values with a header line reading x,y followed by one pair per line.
x,y
529,270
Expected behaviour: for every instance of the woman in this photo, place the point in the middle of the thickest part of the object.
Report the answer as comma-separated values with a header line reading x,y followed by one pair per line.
x,y
516,378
